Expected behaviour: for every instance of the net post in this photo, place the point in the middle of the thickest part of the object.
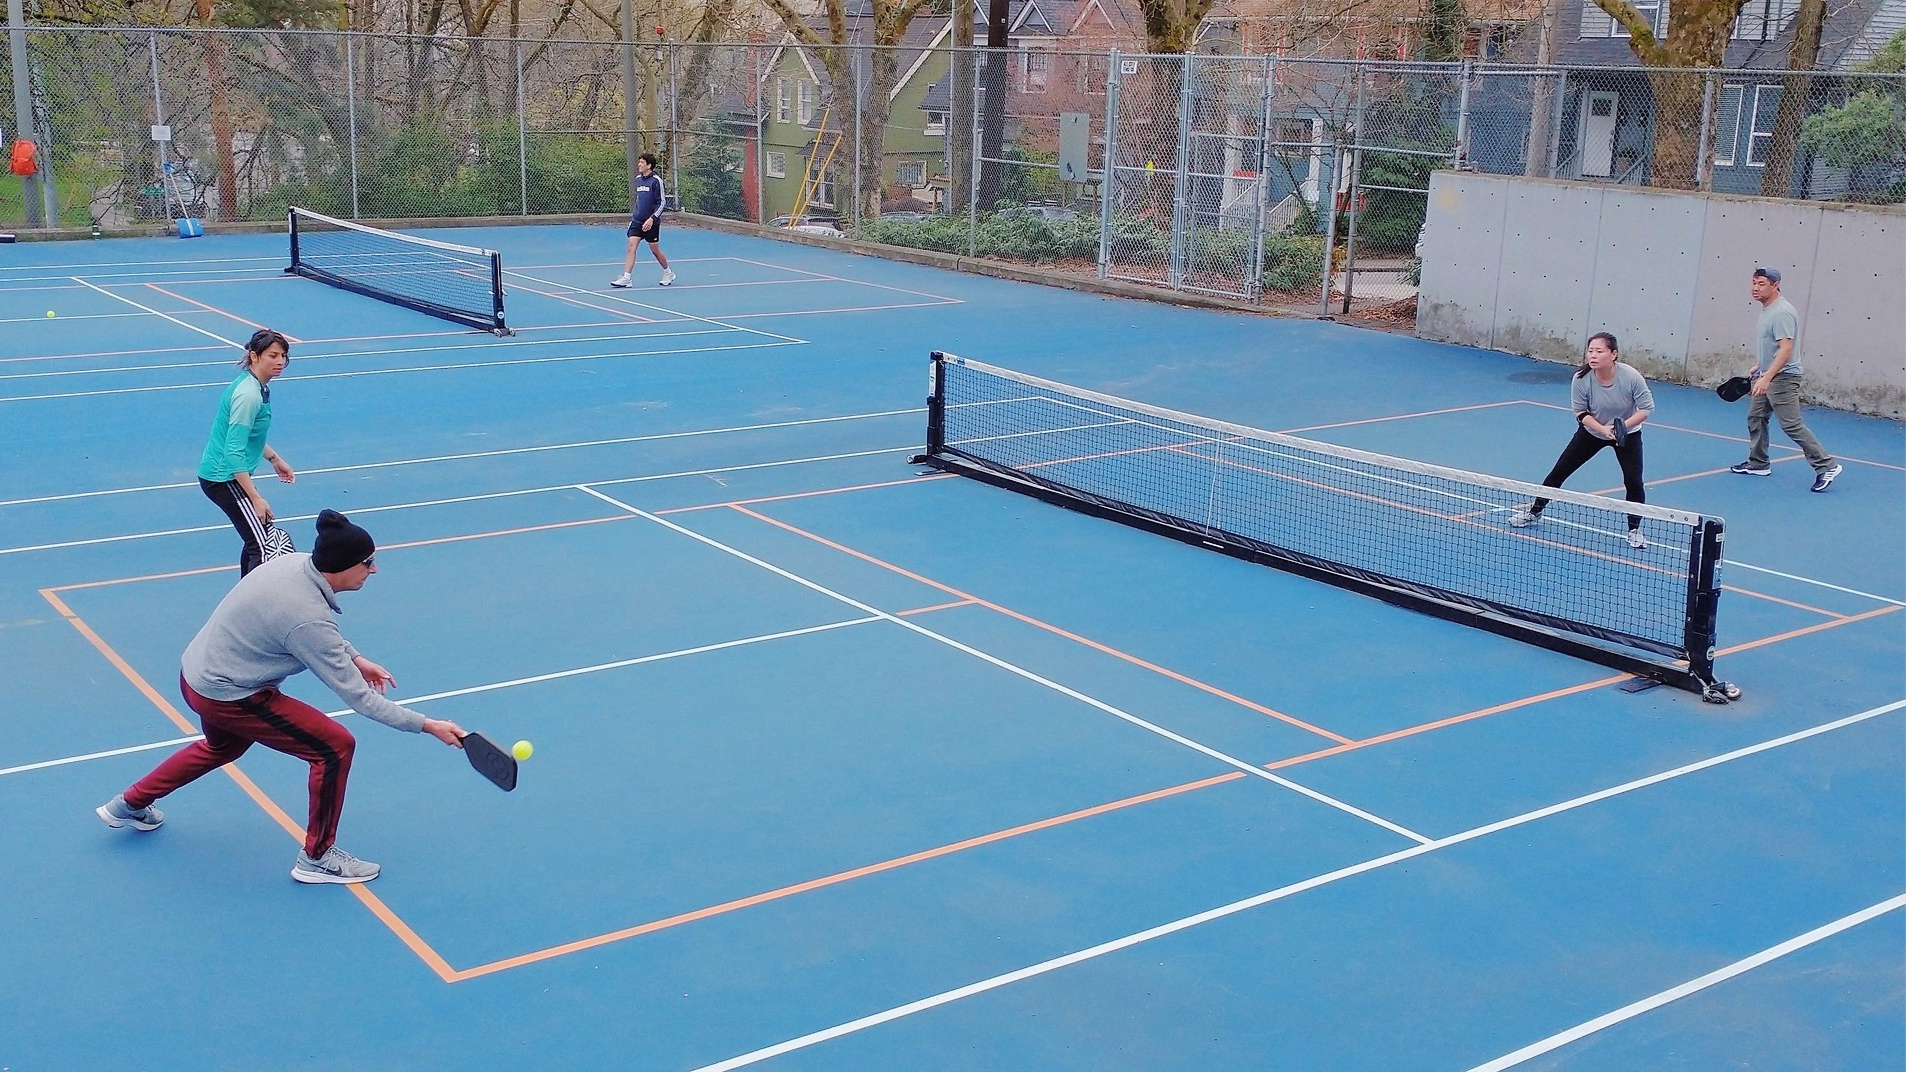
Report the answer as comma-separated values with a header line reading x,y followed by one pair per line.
x,y
936,407
496,291
291,224
1704,598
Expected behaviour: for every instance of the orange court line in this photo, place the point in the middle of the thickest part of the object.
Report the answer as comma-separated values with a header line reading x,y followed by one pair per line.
x,y
1652,481
937,606
214,309
837,878
1734,438
1803,631
403,931
801,494
1777,599
1402,416
1074,637
387,547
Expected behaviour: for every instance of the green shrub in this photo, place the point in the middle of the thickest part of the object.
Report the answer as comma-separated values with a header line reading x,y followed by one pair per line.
x,y
1293,262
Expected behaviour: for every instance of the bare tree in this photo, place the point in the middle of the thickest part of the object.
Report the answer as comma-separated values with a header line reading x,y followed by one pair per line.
x,y
1698,32
1777,179
890,20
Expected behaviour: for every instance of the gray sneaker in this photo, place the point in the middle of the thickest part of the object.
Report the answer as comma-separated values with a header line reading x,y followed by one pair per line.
x,y
335,865
1636,540
116,813
1824,479
1524,517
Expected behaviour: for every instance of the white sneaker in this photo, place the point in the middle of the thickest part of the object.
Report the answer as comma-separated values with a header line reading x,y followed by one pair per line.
x,y
620,281
668,276
335,865
1524,517
1636,540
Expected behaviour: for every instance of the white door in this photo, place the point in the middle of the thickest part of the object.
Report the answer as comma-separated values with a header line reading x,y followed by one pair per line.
x,y
1597,134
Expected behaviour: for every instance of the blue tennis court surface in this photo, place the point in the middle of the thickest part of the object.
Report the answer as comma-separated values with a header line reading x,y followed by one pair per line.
x,y
843,763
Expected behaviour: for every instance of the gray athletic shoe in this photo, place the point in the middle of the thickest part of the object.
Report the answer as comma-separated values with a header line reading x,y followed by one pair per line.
x,y
1824,480
1636,540
116,813
621,281
335,865
1751,469
1524,517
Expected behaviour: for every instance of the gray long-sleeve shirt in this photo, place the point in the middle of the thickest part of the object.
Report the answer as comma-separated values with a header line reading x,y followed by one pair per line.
x,y
1620,400
280,619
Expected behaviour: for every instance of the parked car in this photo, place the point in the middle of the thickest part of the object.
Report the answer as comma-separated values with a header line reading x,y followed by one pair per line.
x,y
821,225
1049,213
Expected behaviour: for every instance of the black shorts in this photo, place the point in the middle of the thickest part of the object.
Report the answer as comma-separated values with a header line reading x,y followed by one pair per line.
x,y
652,235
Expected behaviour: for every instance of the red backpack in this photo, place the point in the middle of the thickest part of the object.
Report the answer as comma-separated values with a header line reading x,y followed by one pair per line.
x,y
23,159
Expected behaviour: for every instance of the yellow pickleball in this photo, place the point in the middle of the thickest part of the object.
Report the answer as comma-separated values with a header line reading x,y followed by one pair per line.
x,y
522,750
49,313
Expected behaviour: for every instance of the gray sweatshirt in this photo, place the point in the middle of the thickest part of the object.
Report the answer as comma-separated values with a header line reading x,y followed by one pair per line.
x,y
280,619
1620,400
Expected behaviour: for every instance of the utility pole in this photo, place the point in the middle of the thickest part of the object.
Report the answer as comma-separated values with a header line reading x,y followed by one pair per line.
x,y
1535,153
36,192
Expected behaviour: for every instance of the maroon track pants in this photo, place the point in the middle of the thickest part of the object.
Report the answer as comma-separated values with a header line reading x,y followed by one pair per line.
x,y
278,722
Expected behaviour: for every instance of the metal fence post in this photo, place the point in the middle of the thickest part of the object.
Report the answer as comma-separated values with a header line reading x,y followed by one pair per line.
x,y
860,87
158,113
1462,114
1351,198
522,134
760,143
1703,151
674,141
1108,176
972,188
350,106
1254,286
1181,179
1330,218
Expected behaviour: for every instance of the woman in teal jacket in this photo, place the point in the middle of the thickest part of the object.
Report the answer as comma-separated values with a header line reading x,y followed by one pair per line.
x,y
237,444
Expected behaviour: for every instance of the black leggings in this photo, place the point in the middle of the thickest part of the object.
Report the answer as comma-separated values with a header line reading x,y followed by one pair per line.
x,y
231,498
1585,445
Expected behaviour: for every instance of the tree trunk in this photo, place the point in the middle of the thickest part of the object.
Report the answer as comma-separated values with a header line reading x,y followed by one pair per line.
x,y
959,109
221,116
1677,122
1777,179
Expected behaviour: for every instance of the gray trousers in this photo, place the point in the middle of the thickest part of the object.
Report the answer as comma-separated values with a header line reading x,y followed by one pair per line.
x,y
1783,400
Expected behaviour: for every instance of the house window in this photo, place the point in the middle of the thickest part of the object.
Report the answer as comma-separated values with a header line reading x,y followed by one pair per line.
x,y
1647,9
823,194
1038,70
911,173
1094,73
781,100
1598,23
807,104
1727,125
1762,20
1761,132
936,123
777,165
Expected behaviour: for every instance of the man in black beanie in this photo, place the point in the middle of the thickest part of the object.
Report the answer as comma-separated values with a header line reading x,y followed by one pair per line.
x,y
282,618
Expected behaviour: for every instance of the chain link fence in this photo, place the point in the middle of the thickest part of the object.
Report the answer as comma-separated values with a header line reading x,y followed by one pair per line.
x,y
1286,181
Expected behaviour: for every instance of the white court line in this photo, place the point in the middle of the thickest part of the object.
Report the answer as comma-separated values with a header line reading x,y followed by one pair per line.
x,y
671,312
1282,892
472,690
108,754
154,312
1793,452
429,368
1693,986
943,299
620,663
846,309
97,540
498,453
1809,580
1248,768
366,354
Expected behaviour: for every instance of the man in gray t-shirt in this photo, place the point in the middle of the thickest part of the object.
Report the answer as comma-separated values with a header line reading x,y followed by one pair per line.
x,y
1777,386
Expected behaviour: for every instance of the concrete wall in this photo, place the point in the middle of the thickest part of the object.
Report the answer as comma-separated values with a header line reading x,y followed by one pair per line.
x,y
1535,266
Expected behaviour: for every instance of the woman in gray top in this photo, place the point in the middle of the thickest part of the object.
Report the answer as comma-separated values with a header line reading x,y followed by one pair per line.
x,y
1611,401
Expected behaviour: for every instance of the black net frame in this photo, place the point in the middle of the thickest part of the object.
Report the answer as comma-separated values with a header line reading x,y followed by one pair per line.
x,y
462,284
1430,538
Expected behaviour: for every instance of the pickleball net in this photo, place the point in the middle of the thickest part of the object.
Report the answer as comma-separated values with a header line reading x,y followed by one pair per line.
x,y
1427,537
463,284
